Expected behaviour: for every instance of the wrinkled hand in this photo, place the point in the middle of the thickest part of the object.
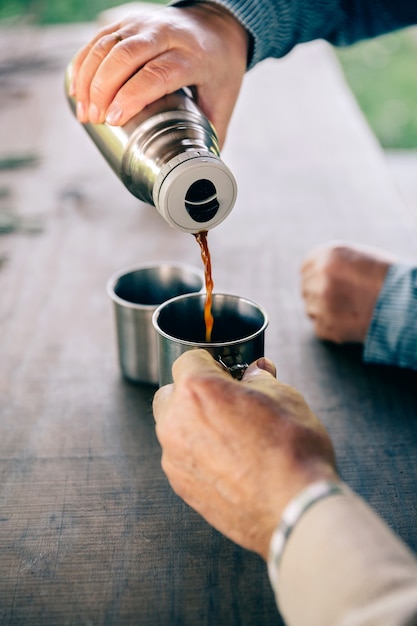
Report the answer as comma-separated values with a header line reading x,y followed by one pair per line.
x,y
340,285
238,452
137,60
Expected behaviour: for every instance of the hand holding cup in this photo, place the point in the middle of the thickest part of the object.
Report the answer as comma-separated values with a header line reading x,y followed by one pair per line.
x,y
238,451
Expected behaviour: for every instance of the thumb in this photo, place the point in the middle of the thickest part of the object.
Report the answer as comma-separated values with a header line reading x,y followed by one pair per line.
x,y
261,375
257,368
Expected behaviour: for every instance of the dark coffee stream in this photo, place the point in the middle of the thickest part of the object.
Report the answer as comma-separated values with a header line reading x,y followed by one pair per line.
x,y
205,256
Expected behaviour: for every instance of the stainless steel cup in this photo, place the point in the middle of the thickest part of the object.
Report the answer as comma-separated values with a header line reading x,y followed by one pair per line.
x,y
136,292
238,333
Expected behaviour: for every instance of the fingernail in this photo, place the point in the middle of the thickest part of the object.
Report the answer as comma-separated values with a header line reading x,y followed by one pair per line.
x,y
114,115
80,112
267,365
93,114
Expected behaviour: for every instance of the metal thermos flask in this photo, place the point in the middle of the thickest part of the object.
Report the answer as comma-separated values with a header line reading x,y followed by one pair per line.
x,y
168,156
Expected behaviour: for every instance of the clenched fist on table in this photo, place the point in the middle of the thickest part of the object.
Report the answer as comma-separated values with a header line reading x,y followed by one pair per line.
x,y
340,286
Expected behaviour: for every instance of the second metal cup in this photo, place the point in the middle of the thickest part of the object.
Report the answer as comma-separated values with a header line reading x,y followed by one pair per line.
x,y
136,292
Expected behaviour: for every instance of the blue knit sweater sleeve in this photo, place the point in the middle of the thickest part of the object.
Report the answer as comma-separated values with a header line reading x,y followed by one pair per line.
x,y
392,334
277,26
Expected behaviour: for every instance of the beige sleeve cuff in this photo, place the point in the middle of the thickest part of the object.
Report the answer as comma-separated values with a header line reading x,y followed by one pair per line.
x,y
342,565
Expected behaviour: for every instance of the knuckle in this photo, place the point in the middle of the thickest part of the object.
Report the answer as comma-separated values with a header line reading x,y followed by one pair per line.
x,y
336,256
330,275
102,45
97,90
124,51
157,72
170,432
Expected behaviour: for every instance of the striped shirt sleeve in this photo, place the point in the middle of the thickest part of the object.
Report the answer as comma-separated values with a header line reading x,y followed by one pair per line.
x,y
277,26
392,334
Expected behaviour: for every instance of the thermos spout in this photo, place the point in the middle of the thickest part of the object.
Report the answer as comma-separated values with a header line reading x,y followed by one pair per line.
x,y
168,156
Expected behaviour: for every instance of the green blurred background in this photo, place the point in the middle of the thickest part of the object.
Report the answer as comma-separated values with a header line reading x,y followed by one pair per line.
x,y
383,76
382,72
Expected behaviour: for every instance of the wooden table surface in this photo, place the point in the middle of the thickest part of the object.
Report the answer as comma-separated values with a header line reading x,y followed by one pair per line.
x,y
90,531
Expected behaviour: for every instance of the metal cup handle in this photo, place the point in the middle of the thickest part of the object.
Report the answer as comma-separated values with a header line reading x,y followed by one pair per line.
x,y
235,368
